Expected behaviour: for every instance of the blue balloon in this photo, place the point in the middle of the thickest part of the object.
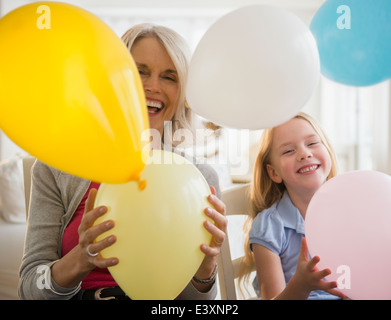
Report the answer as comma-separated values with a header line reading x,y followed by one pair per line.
x,y
354,40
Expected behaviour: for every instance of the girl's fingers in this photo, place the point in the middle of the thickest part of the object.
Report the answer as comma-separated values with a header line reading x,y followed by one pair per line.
x,y
323,273
336,292
303,250
311,266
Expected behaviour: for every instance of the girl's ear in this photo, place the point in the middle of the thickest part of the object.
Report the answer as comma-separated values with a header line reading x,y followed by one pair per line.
x,y
273,174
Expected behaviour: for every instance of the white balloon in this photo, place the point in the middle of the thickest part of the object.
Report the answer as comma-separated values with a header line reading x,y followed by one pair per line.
x,y
255,68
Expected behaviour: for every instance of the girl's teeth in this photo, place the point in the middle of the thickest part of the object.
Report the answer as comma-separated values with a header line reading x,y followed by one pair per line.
x,y
312,168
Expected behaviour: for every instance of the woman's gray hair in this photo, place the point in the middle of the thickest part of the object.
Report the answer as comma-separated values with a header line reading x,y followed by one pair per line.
x,y
179,53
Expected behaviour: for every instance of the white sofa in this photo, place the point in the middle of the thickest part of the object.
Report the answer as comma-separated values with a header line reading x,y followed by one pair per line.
x,y
12,225
11,250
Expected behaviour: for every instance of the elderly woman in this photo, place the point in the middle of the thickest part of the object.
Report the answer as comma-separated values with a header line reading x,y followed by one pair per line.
x,y
61,258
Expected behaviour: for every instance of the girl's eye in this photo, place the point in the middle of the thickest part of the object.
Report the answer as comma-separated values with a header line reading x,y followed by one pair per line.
x,y
287,151
313,143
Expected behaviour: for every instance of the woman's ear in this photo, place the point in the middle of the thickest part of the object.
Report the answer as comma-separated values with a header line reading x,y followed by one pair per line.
x,y
273,174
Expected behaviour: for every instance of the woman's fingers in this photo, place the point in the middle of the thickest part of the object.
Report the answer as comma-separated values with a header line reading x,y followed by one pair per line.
x,y
86,228
218,235
219,219
217,212
91,213
89,204
97,247
218,227
217,215
90,234
89,217
217,204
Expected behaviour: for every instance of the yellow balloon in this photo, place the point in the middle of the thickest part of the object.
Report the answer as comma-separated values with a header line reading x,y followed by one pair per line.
x,y
70,92
159,228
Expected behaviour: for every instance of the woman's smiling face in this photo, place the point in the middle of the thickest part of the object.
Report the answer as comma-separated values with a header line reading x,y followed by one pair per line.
x,y
159,78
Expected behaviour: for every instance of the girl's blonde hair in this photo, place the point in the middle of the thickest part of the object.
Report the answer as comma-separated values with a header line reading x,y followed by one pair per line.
x,y
179,53
265,192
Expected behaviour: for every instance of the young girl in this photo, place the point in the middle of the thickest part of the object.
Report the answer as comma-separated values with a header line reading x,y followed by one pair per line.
x,y
294,160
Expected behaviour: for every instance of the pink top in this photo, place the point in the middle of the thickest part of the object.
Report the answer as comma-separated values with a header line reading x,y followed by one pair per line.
x,y
97,278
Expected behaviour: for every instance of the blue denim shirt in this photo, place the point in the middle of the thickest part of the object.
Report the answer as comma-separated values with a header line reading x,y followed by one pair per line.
x,y
280,229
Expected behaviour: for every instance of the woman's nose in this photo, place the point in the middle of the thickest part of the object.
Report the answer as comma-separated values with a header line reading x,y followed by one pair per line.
x,y
152,84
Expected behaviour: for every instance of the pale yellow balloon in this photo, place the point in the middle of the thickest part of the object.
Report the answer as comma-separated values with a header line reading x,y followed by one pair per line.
x,y
70,92
159,227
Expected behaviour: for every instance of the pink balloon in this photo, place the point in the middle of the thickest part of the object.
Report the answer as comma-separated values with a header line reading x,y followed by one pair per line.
x,y
348,225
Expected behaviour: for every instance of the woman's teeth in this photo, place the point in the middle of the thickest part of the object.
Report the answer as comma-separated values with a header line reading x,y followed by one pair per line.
x,y
154,106
308,169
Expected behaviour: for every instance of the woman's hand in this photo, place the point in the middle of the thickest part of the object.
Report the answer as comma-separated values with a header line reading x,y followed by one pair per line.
x,y
218,230
76,264
88,234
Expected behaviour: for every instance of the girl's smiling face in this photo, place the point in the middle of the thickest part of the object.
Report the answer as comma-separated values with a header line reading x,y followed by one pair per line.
x,y
159,78
298,157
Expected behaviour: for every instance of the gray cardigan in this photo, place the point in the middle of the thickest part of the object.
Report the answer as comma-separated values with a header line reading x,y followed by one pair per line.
x,y
55,196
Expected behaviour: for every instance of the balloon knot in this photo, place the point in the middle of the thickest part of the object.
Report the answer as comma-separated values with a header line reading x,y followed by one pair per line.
x,y
142,184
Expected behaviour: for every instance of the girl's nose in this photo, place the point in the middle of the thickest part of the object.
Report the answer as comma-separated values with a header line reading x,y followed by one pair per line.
x,y
304,154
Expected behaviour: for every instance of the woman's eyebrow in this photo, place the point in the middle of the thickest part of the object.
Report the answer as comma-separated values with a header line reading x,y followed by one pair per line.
x,y
141,65
171,71
145,66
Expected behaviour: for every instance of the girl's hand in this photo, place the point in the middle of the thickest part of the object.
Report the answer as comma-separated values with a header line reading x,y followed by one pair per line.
x,y
88,233
308,278
218,230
